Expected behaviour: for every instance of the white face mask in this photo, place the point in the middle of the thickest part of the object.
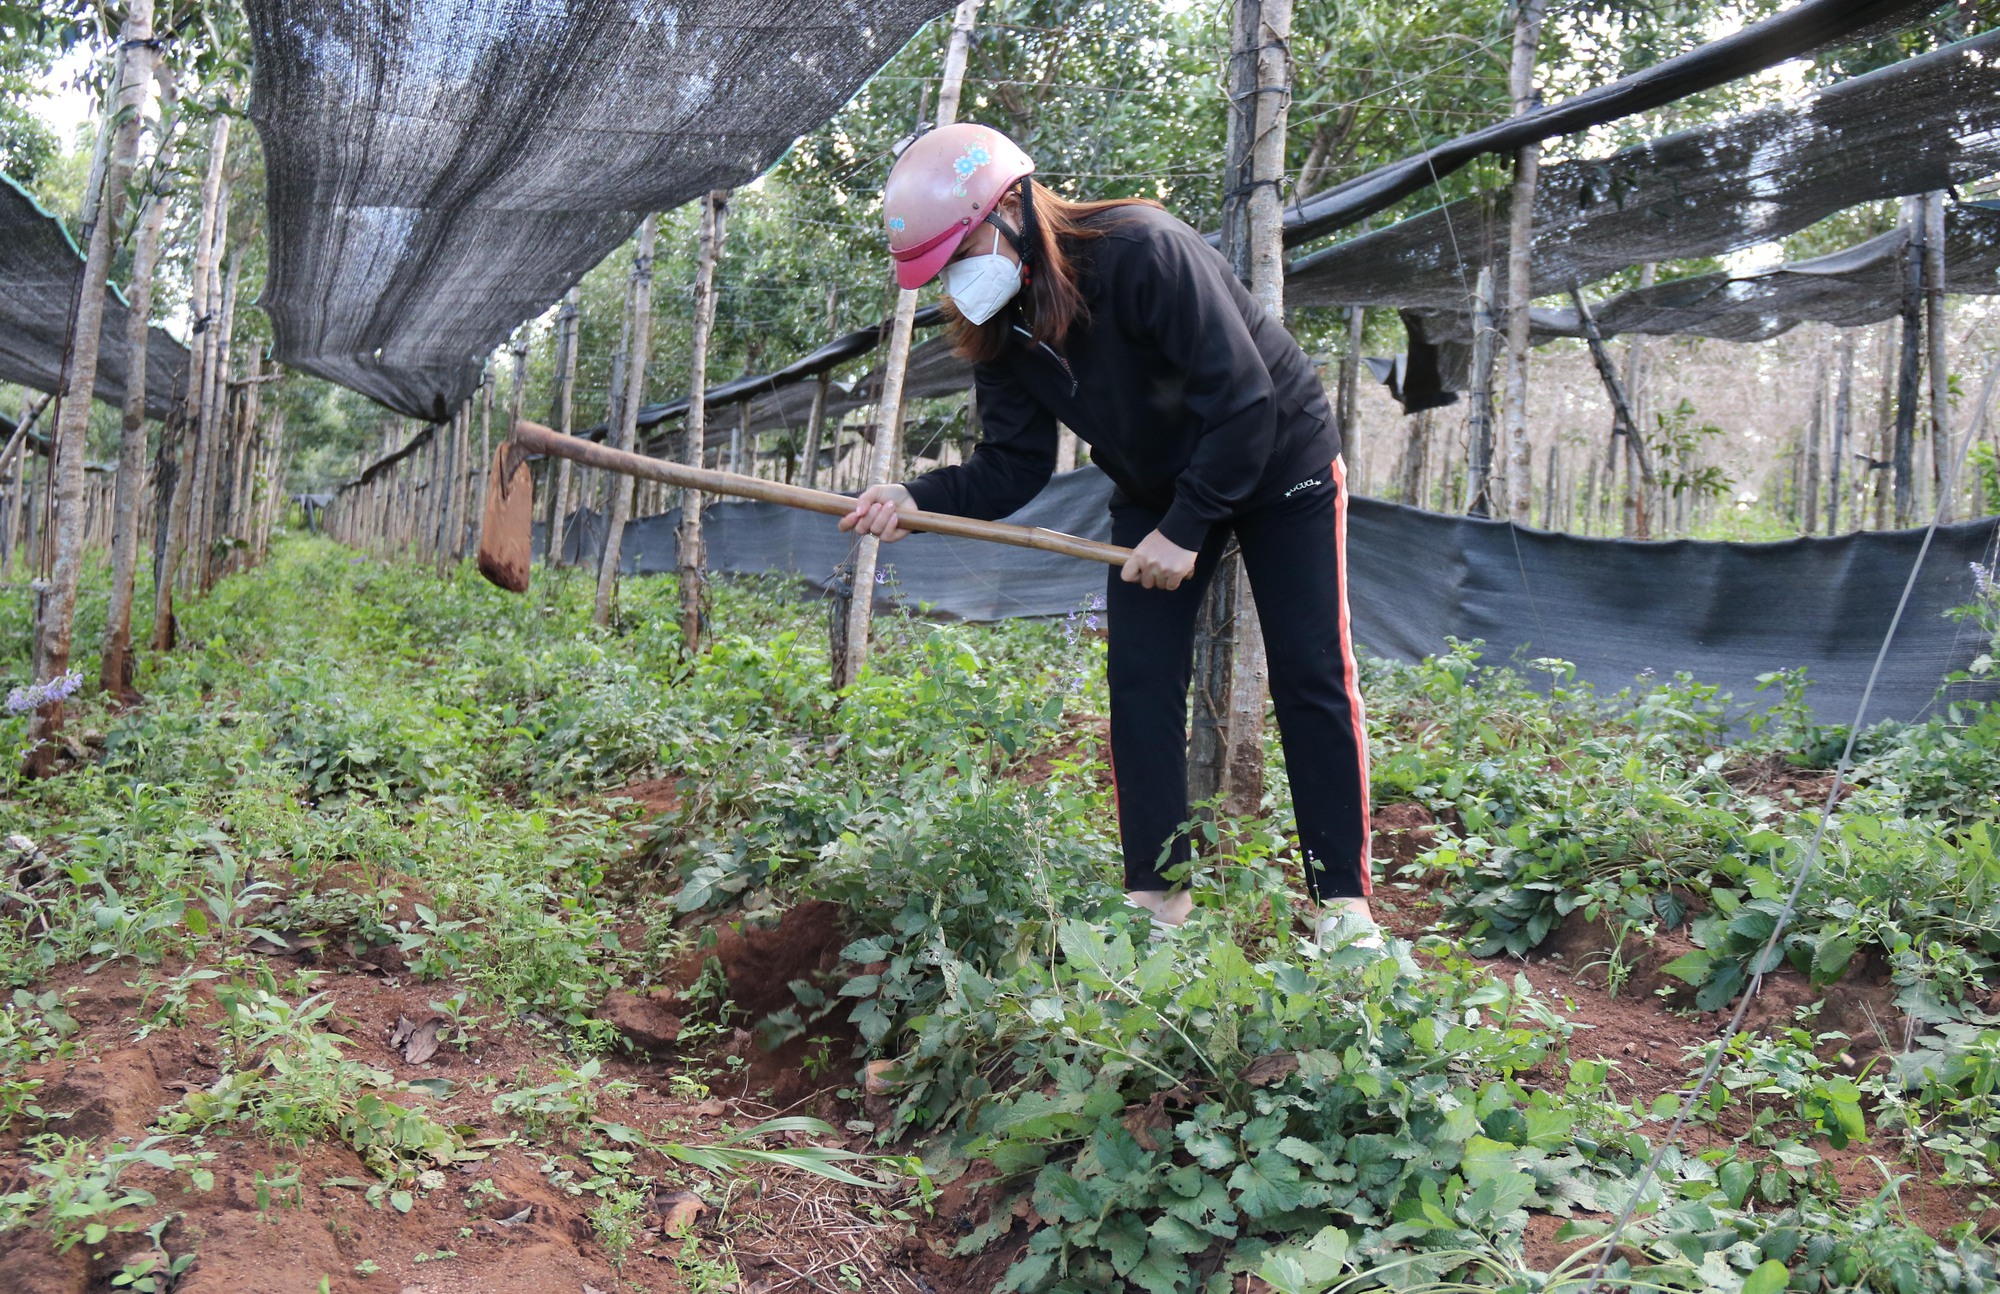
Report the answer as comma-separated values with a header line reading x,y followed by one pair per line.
x,y
980,285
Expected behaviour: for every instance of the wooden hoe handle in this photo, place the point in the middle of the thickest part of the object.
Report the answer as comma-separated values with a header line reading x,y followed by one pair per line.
x,y
538,439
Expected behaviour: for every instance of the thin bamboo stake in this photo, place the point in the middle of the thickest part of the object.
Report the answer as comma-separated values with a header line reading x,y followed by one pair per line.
x,y
55,606
628,420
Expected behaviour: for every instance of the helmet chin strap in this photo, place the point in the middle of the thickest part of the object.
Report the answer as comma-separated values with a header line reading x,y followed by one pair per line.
x,y
1023,239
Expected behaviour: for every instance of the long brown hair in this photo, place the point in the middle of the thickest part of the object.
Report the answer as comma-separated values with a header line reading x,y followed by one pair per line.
x,y
1050,303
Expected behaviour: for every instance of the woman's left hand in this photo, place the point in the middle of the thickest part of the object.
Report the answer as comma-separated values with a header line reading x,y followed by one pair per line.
x,y
1158,563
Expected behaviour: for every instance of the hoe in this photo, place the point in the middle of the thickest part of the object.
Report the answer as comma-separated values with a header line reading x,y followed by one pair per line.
x,y
504,537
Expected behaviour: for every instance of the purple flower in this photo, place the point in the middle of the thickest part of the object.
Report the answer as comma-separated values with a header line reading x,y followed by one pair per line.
x,y
36,695
1982,579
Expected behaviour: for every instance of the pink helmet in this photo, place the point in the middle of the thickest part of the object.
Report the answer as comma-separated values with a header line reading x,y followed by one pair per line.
x,y
942,187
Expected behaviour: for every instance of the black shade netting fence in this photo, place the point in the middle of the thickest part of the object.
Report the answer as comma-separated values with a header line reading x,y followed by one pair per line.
x,y
439,172
39,268
1617,610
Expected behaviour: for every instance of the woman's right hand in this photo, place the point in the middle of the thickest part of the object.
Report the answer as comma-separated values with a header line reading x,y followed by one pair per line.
x,y
876,512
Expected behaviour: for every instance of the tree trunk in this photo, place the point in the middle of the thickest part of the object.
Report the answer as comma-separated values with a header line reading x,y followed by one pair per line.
x,y
1479,492
1231,673
884,452
1520,238
55,607
627,430
691,559
115,669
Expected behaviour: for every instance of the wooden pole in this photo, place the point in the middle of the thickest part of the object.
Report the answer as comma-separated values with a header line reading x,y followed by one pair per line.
x,y
567,328
214,441
1622,422
115,669
1349,396
886,450
55,605
627,429
1231,671
1909,372
816,421
690,557
1528,16
1843,403
1809,478
1940,374
1479,438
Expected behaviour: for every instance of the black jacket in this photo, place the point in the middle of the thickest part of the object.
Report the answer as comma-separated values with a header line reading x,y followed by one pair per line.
x,y
1193,399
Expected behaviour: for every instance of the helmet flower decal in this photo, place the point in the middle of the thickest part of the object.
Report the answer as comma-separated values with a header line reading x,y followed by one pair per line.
x,y
969,161
896,223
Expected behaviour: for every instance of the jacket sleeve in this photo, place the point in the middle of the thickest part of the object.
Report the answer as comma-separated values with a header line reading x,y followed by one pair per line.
x,y
1178,294
1015,457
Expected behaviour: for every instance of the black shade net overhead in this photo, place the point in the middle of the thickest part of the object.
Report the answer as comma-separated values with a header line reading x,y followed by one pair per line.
x,y
1615,609
1797,31
1923,124
440,170
39,265
1857,285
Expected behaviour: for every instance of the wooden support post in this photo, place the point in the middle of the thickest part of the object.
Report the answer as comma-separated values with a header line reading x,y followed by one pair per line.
x,y
1622,422
885,451
1843,403
179,509
1231,672
1348,398
1479,490
626,432
690,556
816,422
1528,16
115,669
1410,466
1908,372
1940,374
559,488
215,412
1808,488
55,604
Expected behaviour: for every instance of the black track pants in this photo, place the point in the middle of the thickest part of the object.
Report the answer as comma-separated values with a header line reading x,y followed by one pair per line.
x,y
1295,552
